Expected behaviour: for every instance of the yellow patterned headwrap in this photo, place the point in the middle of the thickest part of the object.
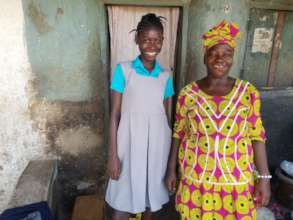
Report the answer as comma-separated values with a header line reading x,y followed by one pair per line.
x,y
223,33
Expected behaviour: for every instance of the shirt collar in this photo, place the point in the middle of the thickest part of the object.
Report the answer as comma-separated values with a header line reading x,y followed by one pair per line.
x,y
138,66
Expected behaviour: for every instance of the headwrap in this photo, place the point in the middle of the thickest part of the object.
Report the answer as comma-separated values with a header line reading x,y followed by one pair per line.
x,y
223,33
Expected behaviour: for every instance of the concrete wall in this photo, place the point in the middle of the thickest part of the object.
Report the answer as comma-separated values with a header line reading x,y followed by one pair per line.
x,y
204,15
19,141
53,91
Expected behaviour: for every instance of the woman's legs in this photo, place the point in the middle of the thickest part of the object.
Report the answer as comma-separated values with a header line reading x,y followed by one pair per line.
x,y
119,215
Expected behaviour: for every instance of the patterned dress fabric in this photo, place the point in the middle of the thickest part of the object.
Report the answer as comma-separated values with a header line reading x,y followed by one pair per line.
x,y
216,154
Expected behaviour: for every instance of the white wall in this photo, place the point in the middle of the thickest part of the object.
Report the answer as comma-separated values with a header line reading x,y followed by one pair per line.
x,y
19,142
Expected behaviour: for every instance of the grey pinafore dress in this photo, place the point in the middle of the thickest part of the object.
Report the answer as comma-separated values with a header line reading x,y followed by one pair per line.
x,y
143,144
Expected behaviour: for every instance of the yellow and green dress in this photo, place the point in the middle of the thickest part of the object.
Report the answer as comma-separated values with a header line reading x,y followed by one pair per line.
x,y
216,154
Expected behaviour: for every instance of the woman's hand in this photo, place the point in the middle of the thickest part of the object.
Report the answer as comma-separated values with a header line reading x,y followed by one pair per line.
x,y
170,181
262,192
113,167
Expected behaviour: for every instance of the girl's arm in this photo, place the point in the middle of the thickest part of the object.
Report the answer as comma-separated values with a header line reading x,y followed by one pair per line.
x,y
113,165
262,191
168,108
170,177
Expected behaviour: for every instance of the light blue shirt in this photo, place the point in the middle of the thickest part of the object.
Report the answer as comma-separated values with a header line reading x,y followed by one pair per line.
x,y
118,80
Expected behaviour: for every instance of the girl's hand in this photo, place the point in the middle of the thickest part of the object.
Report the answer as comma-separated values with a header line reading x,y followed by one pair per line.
x,y
113,167
262,192
170,181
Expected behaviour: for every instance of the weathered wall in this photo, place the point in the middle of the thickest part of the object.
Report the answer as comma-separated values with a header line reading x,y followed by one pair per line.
x,y
206,14
19,141
53,92
64,50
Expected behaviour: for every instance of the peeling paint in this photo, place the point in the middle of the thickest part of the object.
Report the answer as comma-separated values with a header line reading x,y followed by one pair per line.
x,y
38,18
60,11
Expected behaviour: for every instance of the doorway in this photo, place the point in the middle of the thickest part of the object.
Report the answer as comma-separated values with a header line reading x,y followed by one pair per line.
x,y
123,19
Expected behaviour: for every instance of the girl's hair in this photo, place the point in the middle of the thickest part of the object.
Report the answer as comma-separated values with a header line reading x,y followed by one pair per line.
x,y
149,20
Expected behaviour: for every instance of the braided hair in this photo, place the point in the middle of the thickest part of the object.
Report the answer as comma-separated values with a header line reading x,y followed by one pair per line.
x,y
149,20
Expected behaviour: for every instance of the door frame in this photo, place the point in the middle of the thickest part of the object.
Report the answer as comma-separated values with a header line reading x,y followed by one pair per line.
x,y
103,34
180,71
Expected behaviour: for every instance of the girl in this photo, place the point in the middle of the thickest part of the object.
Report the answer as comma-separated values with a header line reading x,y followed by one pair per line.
x,y
140,136
220,137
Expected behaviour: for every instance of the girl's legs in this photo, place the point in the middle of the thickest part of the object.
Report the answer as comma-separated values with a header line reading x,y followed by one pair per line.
x,y
147,215
119,215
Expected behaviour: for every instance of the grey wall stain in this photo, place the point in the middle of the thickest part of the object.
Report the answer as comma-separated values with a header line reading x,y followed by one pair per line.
x,y
38,18
58,120
60,11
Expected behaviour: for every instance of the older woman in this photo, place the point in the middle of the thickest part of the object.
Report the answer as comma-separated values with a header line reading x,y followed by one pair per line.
x,y
219,140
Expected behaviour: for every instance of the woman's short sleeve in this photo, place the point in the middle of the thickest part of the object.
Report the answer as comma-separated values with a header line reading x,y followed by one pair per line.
x,y
179,129
256,130
118,80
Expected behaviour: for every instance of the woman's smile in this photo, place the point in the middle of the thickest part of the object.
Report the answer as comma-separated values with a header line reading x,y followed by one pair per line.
x,y
219,60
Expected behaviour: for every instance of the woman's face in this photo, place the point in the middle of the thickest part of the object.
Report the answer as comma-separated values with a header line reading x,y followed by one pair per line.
x,y
150,42
219,60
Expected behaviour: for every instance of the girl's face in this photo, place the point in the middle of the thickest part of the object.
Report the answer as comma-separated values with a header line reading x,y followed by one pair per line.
x,y
219,60
150,42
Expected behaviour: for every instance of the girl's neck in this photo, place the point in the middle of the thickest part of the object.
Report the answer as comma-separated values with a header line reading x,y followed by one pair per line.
x,y
148,65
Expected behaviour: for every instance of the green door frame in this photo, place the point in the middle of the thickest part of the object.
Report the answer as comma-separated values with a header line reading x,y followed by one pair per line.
x,y
279,6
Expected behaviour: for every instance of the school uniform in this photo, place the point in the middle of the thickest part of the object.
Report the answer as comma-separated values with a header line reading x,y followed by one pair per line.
x,y
143,138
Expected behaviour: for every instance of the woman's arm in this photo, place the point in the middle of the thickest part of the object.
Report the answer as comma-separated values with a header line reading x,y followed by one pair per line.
x,y
262,191
113,165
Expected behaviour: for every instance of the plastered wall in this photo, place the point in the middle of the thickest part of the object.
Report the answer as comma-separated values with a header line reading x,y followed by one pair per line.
x,y
19,141
52,93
